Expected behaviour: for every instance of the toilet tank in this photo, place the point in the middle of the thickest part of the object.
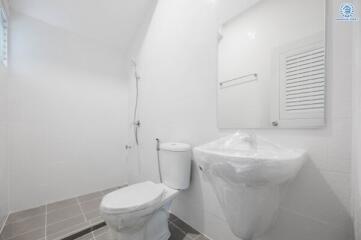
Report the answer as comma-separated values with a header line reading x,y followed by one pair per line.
x,y
175,164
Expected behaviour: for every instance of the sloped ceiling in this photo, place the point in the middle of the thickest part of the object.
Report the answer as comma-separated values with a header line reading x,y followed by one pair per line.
x,y
111,22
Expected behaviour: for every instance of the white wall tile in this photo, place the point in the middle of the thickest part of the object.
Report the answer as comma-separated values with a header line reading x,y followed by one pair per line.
x,y
356,127
4,173
4,161
68,111
178,62
320,195
298,227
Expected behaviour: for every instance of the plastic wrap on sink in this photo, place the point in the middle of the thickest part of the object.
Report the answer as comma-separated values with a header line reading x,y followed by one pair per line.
x,y
248,160
245,172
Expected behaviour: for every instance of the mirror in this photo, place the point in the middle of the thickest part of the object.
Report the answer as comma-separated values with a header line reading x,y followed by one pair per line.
x,y
272,66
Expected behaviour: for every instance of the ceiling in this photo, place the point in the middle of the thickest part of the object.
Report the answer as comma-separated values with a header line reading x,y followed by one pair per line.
x,y
111,22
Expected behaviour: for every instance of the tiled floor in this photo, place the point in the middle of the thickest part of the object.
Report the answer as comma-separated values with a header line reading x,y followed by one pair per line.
x,y
55,220
179,231
76,218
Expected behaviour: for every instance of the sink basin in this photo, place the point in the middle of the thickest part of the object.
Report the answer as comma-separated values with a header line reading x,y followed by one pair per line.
x,y
245,172
249,160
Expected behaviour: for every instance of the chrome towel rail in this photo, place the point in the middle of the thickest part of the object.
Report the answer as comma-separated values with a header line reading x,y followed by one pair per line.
x,y
238,78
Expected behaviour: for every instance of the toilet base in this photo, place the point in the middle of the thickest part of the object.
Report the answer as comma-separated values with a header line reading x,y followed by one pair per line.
x,y
156,228
138,236
127,235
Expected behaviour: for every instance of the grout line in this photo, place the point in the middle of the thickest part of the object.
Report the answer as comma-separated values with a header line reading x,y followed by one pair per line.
x,y
60,208
99,234
85,231
334,171
81,210
92,199
93,235
46,221
78,203
290,211
77,197
33,229
4,223
65,219
177,227
69,234
82,214
25,218
205,236
183,231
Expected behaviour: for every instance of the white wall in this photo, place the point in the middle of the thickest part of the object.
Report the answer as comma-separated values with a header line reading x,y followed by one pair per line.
x,y
178,62
4,163
356,126
68,109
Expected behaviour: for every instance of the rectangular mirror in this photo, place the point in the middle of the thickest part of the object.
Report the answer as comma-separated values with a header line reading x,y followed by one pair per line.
x,y
272,66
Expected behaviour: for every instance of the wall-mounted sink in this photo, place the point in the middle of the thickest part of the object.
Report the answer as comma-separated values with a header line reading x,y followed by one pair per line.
x,y
245,172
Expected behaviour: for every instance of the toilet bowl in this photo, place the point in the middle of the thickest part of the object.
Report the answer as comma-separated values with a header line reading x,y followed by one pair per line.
x,y
141,211
138,212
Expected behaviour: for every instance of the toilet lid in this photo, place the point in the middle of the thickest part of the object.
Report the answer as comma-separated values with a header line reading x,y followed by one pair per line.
x,y
132,198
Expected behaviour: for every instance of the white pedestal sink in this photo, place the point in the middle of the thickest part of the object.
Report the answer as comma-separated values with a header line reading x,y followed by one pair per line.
x,y
245,172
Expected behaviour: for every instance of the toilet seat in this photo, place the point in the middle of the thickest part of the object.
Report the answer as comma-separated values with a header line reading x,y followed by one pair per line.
x,y
132,198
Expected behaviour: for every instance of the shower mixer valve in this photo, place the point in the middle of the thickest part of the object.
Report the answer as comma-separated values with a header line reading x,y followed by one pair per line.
x,y
137,123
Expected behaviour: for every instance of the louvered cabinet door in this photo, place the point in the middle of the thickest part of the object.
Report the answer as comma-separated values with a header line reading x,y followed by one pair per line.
x,y
302,85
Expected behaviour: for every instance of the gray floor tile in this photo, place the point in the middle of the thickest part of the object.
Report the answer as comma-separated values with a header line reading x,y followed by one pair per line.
x,y
90,196
176,234
61,204
96,220
70,216
2,222
62,214
92,215
33,235
105,236
23,215
188,230
67,232
172,217
18,228
63,225
202,237
109,190
91,205
101,231
88,236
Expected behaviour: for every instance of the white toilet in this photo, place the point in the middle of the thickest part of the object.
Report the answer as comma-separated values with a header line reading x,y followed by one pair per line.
x,y
140,211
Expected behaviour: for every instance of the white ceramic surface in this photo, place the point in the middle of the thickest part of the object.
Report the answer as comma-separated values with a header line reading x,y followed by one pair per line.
x,y
140,211
245,172
147,223
132,198
175,164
